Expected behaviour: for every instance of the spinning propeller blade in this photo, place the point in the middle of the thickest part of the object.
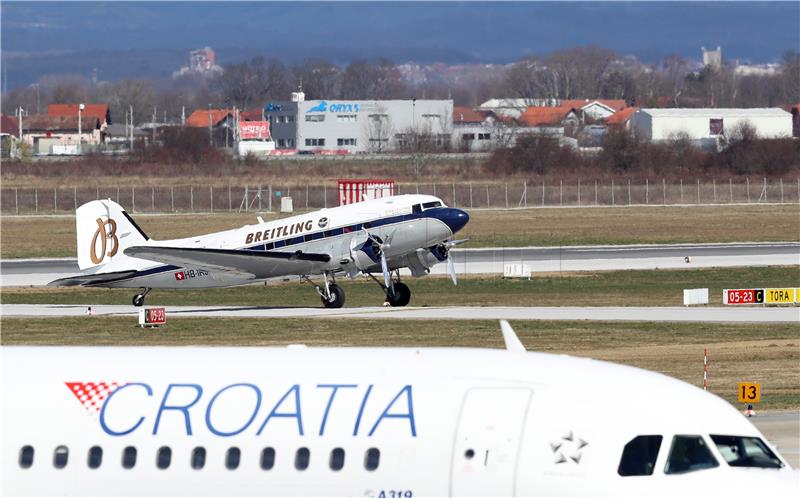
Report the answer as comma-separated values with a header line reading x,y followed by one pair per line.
x,y
451,269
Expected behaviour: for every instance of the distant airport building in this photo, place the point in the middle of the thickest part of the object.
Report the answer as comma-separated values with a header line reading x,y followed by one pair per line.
x,y
709,126
358,126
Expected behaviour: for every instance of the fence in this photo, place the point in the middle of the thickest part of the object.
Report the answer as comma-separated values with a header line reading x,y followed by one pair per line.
x,y
238,198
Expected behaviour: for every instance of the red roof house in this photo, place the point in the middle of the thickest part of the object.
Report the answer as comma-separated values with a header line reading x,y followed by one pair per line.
x,y
548,116
621,117
97,111
9,124
468,115
201,117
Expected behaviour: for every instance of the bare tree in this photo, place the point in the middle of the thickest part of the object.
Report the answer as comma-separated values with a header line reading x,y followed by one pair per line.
x,y
379,80
378,130
318,78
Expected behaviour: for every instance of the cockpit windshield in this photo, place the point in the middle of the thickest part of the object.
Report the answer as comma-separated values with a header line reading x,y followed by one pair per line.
x,y
741,451
432,204
689,454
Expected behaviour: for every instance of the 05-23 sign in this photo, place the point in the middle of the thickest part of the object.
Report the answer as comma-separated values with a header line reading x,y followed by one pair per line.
x,y
743,296
749,392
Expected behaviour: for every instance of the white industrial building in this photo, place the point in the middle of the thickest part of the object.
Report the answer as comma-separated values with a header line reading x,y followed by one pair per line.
x,y
708,125
357,126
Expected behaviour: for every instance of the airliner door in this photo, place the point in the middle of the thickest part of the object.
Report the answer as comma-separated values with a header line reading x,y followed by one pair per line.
x,y
487,441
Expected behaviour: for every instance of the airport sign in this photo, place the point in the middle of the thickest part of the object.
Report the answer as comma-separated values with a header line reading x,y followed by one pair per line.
x,y
749,392
152,317
742,296
780,296
783,295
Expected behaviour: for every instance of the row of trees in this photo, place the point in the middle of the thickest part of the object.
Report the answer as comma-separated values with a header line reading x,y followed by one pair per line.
x,y
580,72
745,153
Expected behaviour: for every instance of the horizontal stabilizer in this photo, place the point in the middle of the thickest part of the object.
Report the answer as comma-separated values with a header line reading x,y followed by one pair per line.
x,y
97,278
510,337
258,263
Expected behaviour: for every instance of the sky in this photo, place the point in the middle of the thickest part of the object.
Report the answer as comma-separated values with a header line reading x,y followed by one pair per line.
x,y
152,38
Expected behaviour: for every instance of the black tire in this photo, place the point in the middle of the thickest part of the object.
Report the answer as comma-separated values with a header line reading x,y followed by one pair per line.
x,y
337,297
138,300
401,295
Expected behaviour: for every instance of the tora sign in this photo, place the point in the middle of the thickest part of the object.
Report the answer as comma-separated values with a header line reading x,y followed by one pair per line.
x,y
250,130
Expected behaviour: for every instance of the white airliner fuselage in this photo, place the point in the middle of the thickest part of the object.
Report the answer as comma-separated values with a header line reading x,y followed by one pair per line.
x,y
378,235
382,422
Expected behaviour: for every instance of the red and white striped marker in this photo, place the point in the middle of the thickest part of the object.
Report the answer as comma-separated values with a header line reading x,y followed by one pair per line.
x,y
705,369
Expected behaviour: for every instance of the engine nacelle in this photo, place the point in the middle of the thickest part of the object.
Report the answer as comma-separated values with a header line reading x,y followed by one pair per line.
x,y
422,260
365,253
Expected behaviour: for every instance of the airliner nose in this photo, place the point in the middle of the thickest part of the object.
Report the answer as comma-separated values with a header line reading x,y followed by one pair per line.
x,y
455,219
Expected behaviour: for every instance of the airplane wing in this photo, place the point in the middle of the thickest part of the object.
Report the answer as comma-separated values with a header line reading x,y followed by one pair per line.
x,y
99,278
261,264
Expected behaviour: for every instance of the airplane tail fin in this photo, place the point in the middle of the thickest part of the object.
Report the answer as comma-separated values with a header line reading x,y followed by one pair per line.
x,y
104,229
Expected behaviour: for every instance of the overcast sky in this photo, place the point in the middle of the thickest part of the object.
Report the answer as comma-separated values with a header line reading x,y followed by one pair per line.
x,y
422,31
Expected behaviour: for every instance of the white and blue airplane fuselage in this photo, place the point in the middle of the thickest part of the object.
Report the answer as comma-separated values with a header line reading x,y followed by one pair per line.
x,y
380,235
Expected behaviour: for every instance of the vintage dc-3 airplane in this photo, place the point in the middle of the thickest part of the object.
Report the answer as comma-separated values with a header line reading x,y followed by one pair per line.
x,y
376,422
374,236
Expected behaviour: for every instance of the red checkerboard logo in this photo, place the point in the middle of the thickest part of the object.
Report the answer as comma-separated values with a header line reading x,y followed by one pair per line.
x,y
92,394
179,275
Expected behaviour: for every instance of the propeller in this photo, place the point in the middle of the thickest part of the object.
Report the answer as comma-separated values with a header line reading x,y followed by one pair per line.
x,y
445,255
451,269
387,278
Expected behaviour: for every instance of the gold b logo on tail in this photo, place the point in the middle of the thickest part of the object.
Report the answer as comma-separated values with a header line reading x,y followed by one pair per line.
x,y
104,235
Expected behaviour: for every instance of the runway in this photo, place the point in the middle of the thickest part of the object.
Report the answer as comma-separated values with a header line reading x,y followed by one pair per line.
x,y
644,314
36,272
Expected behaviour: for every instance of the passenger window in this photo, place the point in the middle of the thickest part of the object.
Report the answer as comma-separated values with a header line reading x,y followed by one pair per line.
x,y
163,457
95,457
372,459
60,457
741,451
267,458
26,457
198,458
301,459
639,456
232,458
689,454
337,459
129,457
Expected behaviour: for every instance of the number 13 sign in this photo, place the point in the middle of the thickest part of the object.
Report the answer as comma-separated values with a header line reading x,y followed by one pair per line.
x,y
749,392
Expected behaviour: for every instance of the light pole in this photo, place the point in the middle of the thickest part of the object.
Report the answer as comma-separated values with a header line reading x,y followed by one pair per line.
x,y
80,132
210,141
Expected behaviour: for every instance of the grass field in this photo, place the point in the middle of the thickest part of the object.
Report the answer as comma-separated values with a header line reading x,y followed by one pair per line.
x,y
738,352
43,236
613,288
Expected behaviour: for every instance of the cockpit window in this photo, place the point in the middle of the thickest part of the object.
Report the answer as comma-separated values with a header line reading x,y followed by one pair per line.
x,y
639,456
60,457
740,451
95,457
416,208
432,204
689,454
26,457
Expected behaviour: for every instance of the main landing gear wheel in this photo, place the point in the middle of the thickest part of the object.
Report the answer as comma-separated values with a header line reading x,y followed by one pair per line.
x,y
138,299
335,297
401,295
